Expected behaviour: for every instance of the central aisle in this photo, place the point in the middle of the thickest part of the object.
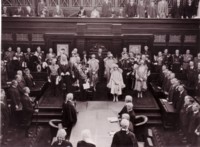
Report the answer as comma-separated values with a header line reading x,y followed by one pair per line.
x,y
94,116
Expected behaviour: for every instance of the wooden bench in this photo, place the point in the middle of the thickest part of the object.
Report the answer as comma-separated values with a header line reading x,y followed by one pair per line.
x,y
38,89
169,114
156,90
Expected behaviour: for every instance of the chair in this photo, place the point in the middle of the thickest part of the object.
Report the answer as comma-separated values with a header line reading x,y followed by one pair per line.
x,y
54,126
140,127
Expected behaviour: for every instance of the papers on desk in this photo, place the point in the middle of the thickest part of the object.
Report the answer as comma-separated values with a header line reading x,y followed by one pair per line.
x,y
113,119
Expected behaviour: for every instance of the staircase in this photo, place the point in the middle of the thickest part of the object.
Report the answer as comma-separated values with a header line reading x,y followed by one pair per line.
x,y
47,113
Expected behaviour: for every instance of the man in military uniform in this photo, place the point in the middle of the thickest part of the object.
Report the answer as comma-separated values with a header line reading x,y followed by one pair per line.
x,y
176,62
167,58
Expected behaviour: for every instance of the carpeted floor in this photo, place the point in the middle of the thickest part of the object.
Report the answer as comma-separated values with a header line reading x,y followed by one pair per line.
x,y
101,94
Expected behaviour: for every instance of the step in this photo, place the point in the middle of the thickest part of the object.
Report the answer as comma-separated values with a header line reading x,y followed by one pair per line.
x,y
48,114
154,122
156,115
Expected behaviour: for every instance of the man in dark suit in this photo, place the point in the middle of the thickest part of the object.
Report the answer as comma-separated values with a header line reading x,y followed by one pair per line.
x,y
124,138
69,117
131,9
19,12
193,123
177,9
106,9
180,101
28,110
16,105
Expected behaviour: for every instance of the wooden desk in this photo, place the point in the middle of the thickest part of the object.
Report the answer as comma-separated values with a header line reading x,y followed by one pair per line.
x,y
94,118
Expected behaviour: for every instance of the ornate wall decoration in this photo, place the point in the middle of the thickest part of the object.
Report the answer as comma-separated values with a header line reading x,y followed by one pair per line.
x,y
76,3
53,3
7,2
64,3
7,37
175,38
190,39
159,38
121,2
98,3
87,3
22,37
37,37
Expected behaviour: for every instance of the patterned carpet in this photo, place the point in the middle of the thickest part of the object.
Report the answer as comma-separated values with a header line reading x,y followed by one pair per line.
x,y
101,94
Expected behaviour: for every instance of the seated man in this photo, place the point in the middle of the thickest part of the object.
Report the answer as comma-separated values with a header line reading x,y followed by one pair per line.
x,y
129,110
5,12
58,12
86,139
124,138
29,12
19,12
121,13
128,99
28,78
127,117
81,13
95,13
61,139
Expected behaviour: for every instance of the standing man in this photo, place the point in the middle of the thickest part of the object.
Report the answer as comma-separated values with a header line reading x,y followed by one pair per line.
x,y
69,117
131,9
177,9
16,105
106,9
93,71
100,57
27,110
163,9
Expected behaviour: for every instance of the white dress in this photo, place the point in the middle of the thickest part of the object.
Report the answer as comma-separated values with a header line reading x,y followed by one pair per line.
x,y
116,83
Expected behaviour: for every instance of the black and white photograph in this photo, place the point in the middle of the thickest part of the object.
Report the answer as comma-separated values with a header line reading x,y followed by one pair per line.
x,y
100,73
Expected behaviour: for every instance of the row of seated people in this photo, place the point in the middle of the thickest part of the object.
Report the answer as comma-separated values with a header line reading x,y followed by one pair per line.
x,y
185,106
140,9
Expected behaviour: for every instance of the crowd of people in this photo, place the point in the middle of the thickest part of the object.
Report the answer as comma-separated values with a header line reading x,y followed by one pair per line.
x,y
129,71
186,106
133,8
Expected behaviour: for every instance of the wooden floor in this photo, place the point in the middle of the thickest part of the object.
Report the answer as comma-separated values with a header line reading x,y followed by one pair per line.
x,y
94,116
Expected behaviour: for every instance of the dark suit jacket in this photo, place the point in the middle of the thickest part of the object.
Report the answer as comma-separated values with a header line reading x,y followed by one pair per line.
x,y
15,96
27,104
124,139
69,117
85,144
176,11
131,11
29,80
180,101
131,114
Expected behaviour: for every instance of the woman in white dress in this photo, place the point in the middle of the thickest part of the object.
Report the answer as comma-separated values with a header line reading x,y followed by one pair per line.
x,y
141,78
116,83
